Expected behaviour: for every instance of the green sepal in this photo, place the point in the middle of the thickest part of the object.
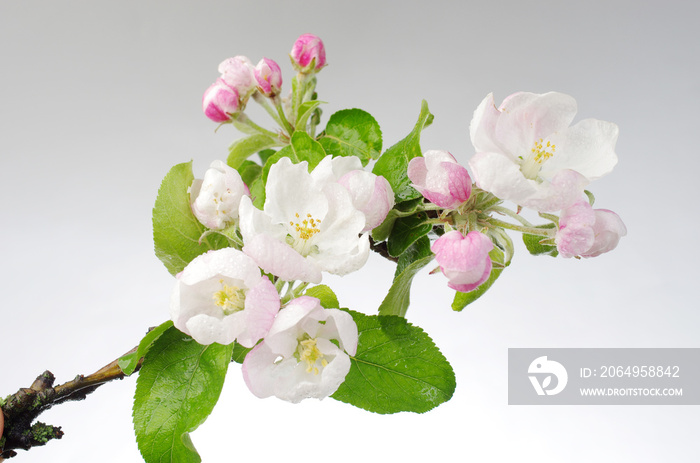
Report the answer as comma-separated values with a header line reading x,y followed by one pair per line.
x,y
406,231
130,361
393,164
397,368
178,385
591,198
176,231
244,147
541,245
353,132
398,298
325,294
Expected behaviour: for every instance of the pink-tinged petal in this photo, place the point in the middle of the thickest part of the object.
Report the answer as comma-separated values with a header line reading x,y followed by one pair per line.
x,y
220,101
464,260
482,128
308,54
496,173
345,327
440,179
262,304
278,258
575,235
371,194
527,117
268,76
608,230
238,73
563,190
258,371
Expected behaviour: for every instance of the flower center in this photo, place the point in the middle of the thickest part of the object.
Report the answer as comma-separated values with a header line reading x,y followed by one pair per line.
x,y
231,299
308,352
539,153
304,230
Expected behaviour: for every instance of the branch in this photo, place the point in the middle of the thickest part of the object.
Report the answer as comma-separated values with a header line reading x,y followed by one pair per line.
x,y
19,410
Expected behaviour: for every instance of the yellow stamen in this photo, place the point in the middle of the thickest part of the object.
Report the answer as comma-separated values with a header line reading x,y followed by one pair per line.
x,y
230,298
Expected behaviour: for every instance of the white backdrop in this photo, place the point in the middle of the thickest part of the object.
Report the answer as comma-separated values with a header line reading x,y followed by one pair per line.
x,y
99,99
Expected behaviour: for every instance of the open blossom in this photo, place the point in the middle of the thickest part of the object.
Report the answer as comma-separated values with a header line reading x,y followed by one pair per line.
x,y
238,73
527,152
587,232
221,297
440,179
215,199
308,225
298,358
464,260
308,54
220,101
268,76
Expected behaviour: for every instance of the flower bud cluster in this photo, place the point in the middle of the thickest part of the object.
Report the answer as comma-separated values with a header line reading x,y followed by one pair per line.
x,y
239,79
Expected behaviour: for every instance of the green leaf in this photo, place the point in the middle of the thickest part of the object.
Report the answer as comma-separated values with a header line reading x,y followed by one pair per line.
x,y
177,388
461,300
406,231
264,155
397,368
176,231
398,298
129,362
301,148
249,171
239,352
306,109
416,251
325,294
244,147
392,165
591,197
539,245
353,132
404,209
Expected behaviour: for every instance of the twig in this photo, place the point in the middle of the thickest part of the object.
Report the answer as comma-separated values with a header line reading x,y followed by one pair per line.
x,y
19,410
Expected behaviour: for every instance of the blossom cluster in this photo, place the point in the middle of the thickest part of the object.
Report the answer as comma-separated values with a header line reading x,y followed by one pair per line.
x,y
314,216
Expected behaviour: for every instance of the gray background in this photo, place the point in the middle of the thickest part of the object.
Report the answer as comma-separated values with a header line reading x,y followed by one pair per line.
x,y
99,99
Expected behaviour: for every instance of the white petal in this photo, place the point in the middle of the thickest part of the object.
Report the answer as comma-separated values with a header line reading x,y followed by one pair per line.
x,y
587,147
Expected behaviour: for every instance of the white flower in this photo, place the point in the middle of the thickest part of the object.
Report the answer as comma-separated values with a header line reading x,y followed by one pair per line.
x,y
221,297
298,358
215,199
528,154
309,225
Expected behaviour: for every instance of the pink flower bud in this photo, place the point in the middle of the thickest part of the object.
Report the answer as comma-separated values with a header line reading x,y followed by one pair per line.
x,y
440,179
371,194
269,77
587,232
220,101
237,72
308,54
464,260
